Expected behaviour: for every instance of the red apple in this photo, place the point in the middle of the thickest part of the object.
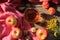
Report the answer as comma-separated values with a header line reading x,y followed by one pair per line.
x,y
41,33
16,33
51,11
11,21
45,4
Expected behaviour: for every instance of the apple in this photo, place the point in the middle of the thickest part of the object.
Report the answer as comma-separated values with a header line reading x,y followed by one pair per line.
x,y
51,11
41,33
16,33
45,4
11,21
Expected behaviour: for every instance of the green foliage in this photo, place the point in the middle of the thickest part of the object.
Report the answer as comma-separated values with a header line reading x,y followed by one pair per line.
x,y
52,25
